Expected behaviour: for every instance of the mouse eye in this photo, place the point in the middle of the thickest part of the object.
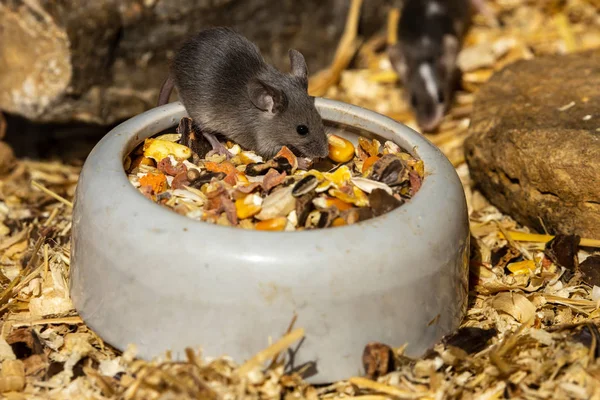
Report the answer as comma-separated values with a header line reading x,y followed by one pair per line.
x,y
441,97
413,101
302,130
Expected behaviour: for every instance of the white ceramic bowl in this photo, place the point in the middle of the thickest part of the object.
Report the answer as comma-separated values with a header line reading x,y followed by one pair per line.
x,y
143,274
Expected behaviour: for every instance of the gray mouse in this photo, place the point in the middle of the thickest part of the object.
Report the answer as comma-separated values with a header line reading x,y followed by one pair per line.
x,y
228,89
430,35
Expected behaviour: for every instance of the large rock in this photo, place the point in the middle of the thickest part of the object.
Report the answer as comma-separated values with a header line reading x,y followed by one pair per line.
x,y
534,149
104,60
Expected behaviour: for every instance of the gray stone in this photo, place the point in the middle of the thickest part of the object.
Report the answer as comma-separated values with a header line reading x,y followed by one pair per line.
x,y
534,148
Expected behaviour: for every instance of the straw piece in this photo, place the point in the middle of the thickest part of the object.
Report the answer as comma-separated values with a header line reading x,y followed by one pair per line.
x,y
346,49
51,321
364,383
277,347
7,293
566,32
534,237
392,26
52,194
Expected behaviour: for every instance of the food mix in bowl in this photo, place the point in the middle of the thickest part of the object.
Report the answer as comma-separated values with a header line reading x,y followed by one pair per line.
x,y
285,193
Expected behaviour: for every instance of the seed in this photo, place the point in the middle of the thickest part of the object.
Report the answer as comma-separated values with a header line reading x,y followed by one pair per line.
x,y
378,359
288,155
391,148
277,204
193,174
304,205
206,178
281,164
273,224
381,202
305,185
389,170
340,149
327,217
368,185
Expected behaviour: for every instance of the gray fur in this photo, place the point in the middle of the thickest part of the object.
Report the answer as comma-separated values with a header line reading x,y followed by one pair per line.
x,y
227,88
433,39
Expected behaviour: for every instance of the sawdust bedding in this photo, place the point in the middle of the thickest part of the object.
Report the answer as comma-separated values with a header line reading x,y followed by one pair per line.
x,y
531,325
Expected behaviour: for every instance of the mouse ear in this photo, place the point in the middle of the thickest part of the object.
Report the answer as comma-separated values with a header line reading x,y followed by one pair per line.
x,y
266,97
450,52
299,68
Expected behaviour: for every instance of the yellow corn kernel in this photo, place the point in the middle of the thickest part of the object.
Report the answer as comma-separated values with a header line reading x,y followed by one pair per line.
x,y
158,149
340,149
522,267
248,206
359,198
141,160
340,176
368,163
273,224
169,137
419,167
247,157
241,177
369,146
339,221
328,202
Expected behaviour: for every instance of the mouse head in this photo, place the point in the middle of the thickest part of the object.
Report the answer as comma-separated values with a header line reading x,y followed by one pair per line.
x,y
287,114
427,71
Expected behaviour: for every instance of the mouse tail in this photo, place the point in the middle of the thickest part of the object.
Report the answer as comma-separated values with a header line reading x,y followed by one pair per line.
x,y
165,91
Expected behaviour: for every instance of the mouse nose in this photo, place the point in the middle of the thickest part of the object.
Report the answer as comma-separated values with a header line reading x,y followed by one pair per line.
x,y
429,124
324,149
431,119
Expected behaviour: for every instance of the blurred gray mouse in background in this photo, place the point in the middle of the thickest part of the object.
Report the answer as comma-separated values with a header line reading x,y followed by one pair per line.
x,y
227,88
430,35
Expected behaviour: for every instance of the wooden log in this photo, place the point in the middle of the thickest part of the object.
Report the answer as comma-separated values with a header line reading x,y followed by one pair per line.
x,y
103,61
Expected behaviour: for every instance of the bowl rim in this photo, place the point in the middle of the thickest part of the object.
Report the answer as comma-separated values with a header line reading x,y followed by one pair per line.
x,y
122,139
